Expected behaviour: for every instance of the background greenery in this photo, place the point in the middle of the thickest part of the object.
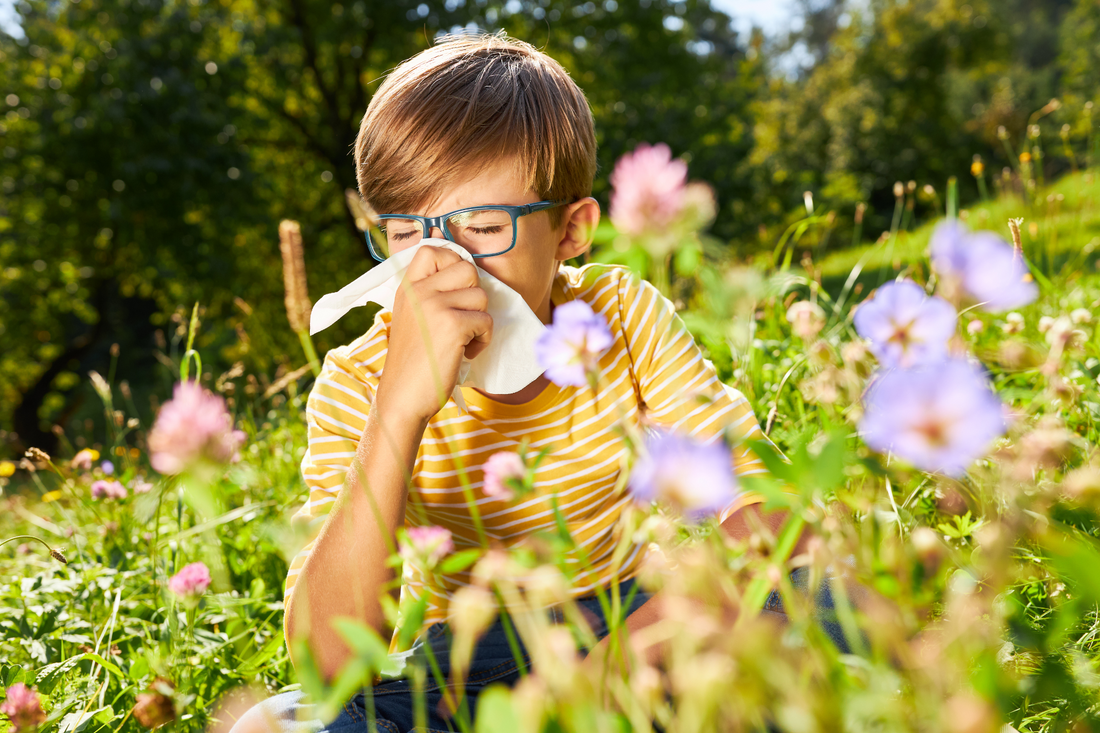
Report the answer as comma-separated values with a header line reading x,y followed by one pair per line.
x,y
150,148
154,147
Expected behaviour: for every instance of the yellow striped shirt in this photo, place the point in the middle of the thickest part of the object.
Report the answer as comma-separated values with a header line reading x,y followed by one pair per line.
x,y
654,366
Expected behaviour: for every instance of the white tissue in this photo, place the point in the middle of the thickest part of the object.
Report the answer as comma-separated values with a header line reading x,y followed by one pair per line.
x,y
506,366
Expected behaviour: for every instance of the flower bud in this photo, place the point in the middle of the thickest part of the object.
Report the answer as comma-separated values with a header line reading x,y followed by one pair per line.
x,y
1083,485
1080,316
155,708
806,319
928,547
472,610
1014,323
23,706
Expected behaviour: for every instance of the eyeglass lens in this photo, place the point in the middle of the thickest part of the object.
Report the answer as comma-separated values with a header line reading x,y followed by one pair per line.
x,y
481,232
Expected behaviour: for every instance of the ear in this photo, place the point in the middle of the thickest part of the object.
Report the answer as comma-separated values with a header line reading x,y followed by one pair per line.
x,y
578,227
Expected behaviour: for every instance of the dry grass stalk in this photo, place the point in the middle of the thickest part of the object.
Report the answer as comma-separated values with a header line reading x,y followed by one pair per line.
x,y
298,306
365,217
281,383
1017,242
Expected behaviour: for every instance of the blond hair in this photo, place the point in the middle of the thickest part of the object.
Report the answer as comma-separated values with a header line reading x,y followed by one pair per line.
x,y
466,103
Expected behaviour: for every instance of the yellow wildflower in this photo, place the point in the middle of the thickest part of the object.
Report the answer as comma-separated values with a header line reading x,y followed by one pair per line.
x,y
7,468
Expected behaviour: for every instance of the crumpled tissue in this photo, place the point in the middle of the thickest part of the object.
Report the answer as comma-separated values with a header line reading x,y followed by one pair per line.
x,y
506,366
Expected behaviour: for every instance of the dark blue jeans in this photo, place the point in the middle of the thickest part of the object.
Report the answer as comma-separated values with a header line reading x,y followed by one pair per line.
x,y
393,700
493,662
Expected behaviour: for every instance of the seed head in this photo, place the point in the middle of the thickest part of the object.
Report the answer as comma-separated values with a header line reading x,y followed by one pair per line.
x,y
298,306
38,455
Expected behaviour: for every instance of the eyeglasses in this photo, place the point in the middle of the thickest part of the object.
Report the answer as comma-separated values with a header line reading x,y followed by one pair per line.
x,y
484,231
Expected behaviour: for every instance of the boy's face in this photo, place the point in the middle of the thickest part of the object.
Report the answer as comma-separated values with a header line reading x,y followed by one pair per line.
x,y
530,266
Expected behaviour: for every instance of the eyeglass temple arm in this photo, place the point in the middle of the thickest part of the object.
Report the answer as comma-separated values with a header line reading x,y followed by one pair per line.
x,y
539,206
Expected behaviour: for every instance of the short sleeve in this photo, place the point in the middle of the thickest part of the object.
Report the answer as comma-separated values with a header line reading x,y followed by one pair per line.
x,y
336,416
680,388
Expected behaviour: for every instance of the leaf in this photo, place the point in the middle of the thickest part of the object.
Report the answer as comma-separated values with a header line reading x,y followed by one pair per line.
x,y
270,649
140,668
77,721
495,712
412,621
363,640
459,561
1076,558
48,623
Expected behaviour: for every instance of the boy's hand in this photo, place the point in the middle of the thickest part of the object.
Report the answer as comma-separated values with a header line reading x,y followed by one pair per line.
x,y
439,316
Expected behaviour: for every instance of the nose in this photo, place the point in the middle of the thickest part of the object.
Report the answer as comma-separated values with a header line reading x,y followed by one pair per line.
x,y
436,232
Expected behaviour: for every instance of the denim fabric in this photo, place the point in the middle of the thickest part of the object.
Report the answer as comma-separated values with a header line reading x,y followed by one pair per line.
x,y
492,662
824,609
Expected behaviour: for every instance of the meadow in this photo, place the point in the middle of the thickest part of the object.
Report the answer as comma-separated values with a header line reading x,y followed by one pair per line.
x,y
951,470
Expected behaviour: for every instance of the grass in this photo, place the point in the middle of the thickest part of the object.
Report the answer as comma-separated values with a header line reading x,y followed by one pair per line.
x,y
993,621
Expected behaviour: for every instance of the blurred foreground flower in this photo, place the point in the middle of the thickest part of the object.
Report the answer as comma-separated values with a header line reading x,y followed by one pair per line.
x,y
83,459
427,545
904,326
7,468
190,582
648,189
23,707
652,200
108,490
141,486
980,266
570,348
695,477
501,470
193,426
939,417
806,319
155,708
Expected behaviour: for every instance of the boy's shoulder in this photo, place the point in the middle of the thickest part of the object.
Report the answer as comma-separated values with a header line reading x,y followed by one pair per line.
x,y
367,353
598,281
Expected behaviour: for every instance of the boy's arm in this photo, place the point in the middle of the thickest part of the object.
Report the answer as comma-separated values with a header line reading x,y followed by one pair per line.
x,y
438,317
680,389
345,569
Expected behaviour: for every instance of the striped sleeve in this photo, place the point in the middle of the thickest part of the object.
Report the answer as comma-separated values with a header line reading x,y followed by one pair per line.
x,y
679,387
336,415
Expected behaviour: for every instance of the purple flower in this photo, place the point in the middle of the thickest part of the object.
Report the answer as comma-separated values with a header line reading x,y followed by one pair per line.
x,y
190,582
939,417
982,267
427,545
904,326
108,490
501,469
108,467
696,477
570,348
647,189
192,427
23,707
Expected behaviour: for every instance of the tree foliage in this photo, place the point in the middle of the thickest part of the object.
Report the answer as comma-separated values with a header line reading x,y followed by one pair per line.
x,y
150,147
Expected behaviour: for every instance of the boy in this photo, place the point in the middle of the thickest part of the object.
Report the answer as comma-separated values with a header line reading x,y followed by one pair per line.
x,y
475,121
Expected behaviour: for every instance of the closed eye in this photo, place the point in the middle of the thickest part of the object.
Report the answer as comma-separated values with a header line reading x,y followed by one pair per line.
x,y
487,230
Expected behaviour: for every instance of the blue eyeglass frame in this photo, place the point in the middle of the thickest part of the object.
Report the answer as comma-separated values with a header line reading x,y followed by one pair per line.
x,y
440,223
